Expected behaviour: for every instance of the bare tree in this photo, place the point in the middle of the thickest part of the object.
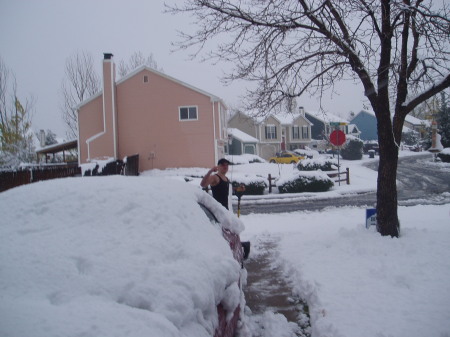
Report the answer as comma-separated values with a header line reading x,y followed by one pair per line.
x,y
136,60
397,50
80,82
16,139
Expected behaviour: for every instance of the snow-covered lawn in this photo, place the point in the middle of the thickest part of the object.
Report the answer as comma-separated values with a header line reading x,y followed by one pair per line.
x,y
356,282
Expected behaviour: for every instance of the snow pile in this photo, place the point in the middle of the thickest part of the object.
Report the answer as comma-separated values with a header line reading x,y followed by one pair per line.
x,y
113,256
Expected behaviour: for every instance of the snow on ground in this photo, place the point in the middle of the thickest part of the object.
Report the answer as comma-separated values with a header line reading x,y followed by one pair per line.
x,y
356,282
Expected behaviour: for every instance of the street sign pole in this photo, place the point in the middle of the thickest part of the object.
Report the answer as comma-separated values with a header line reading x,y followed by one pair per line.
x,y
337,138
339,155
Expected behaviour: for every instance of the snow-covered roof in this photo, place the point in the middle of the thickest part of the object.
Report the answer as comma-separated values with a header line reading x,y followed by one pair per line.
x,y
71,144
284,118
242,136
371,113
416,121
352,127
327,117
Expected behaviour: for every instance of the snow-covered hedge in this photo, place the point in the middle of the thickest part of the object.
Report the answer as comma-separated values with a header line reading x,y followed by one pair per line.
x,y
317,164
254,185
353,149
444,155
305,182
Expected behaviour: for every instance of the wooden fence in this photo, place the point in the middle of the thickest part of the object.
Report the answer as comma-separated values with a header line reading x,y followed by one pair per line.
x,y
10,179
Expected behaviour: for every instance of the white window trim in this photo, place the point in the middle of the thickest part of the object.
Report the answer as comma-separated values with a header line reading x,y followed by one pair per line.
x,y
275,132
188,119
298,127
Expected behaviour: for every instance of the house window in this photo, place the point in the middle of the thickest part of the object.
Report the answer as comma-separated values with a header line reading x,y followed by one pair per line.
x,y
295,132
271,132
305,132
188,113
145,79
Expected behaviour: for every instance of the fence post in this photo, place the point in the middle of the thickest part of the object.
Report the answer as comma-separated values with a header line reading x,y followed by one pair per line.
x,y
270,183
348,176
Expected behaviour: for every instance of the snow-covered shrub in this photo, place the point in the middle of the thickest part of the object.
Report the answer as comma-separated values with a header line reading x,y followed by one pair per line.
x,y
353,150
317,164
305,182
253,186
444,155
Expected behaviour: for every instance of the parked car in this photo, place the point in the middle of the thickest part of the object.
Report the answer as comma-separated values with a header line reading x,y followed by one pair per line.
x,y
371,145
308,153
122,256
286,157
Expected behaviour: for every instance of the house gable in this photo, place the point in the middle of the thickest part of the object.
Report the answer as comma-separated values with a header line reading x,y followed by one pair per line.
x,y
367,125
167,122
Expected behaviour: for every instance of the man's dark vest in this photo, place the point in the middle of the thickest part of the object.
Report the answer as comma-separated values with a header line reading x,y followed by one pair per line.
x,y
220,192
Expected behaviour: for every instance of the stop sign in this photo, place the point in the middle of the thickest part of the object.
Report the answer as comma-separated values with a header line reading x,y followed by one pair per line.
x,y
337,138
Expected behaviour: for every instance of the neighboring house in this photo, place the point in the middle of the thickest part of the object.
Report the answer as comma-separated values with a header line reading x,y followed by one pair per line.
x,y
323,125
418,125
241,143
167,122
275,132
367,124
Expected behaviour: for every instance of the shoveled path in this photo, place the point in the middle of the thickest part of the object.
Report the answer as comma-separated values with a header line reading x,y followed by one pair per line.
x,y
268,289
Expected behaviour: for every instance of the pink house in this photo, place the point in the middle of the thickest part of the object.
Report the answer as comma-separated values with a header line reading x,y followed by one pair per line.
x,y
167,122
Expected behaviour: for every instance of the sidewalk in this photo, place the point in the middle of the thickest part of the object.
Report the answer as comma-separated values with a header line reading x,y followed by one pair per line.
x,y
268,290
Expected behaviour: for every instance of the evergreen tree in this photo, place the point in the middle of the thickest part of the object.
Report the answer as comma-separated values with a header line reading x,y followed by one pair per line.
x,y
443,120
353,150
50,138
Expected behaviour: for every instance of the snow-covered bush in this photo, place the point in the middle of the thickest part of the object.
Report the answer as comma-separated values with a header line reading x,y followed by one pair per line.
x,y
305,182
353,150
444,155
253,185
317,164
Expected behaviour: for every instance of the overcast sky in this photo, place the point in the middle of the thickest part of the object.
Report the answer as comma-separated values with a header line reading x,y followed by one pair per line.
x,y
37,36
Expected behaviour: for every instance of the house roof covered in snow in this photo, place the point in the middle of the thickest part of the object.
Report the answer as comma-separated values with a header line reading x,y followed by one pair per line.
x,y
242,136
327,117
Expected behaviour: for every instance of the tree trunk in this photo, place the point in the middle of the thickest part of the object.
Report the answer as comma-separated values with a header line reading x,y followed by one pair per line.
x,y
387,216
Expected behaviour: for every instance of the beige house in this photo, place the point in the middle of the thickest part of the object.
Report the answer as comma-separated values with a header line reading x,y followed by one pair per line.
x,y
167,122
275,133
